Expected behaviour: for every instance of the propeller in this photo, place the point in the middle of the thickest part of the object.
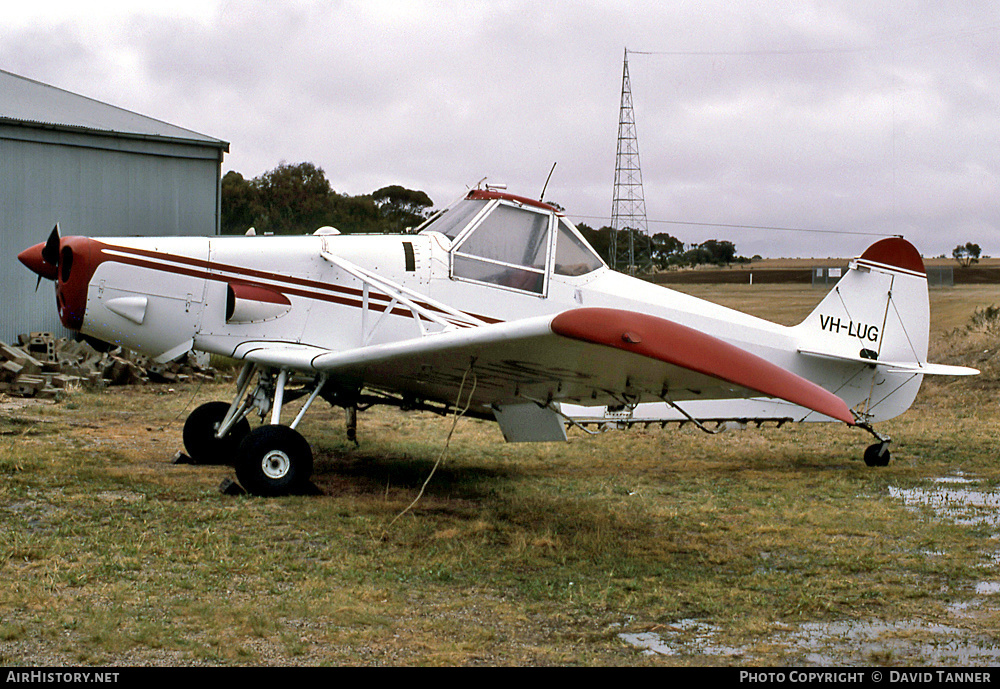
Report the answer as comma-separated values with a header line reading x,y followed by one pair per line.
x,y
43,259
50,252
54,259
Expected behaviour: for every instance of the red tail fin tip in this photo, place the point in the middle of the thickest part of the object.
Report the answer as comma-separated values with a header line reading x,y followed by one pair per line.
x,y
895,252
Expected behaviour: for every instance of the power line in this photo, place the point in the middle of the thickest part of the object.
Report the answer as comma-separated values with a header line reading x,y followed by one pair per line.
x,y
751,227
754,53
896,45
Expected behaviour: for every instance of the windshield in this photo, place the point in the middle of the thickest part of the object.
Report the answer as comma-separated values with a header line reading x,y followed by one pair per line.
x,y
573,255
509,242
511,235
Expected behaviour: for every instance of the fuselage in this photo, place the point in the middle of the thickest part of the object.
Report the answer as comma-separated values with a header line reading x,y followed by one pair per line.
x,y
180,290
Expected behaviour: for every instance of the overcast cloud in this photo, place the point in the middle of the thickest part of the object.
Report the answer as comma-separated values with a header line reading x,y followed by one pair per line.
x,y
861,117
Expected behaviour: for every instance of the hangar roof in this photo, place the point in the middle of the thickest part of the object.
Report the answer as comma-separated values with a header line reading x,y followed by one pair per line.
x,y
32,103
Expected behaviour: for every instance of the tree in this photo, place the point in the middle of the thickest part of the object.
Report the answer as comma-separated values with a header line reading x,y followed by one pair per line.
x,y
297,199
666,249
401,208
966,255
719,251
239,204
294,199
356,214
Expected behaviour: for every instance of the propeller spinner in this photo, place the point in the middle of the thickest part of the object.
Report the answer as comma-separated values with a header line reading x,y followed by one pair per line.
x,y
43,258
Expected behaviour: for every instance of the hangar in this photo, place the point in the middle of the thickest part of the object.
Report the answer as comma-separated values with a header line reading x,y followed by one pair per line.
x,y
96,170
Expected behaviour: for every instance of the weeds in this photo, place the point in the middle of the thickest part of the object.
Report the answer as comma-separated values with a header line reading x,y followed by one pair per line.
x,y
985,318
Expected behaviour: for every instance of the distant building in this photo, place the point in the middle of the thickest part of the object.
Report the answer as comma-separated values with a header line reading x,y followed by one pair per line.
x,y
96,170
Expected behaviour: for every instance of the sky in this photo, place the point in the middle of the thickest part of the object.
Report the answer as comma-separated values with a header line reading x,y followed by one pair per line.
x,y
799,128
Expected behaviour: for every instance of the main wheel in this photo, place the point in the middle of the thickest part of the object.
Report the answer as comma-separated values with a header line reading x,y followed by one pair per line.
x,y
877,455
274,460
199,435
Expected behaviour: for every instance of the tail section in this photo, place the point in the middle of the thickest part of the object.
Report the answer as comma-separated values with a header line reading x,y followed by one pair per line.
x,y
878,311
878,315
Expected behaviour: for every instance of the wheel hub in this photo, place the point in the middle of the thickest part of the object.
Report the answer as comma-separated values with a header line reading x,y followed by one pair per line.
x,y
275,464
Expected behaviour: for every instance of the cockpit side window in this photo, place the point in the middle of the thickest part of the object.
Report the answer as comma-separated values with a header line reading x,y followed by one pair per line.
x,y
510,247
573,255
453,220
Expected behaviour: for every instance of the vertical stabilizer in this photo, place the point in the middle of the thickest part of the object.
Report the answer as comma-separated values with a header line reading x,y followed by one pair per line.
x,y
879,313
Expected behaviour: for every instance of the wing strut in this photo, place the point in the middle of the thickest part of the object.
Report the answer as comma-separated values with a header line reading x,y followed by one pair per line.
x,y
425,309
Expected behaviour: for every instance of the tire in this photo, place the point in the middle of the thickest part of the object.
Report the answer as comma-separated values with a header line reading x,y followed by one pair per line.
x,y
875,457
199,435
274,460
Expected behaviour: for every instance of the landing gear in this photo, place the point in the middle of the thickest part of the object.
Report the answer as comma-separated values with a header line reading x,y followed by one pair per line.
x,y
877,455
200,440
270,460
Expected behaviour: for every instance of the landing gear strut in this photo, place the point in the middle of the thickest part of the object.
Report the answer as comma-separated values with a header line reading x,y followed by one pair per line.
x,y
200,441
270,460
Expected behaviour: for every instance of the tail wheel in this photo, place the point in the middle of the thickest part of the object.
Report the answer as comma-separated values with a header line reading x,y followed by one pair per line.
x,y
199,435
877,455
274,460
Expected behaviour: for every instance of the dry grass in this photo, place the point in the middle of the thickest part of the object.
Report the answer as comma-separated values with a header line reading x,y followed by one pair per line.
x,y
517,554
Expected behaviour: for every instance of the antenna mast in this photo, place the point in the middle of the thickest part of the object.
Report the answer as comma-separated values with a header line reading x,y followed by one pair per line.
x,y
630,242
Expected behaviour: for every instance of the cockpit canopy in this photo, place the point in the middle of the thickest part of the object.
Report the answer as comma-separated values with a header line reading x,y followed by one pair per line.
x,y
512,242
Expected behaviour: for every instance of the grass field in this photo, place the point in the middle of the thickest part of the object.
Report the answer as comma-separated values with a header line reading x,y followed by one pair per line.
x,y
659,547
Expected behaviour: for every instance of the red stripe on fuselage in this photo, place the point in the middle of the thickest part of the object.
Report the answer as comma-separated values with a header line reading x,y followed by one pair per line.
x,y
209,270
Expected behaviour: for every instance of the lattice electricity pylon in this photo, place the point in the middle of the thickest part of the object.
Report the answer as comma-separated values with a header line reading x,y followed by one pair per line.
x,y
630,248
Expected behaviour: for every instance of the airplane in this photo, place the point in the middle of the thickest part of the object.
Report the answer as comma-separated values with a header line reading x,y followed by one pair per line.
x,y
497,303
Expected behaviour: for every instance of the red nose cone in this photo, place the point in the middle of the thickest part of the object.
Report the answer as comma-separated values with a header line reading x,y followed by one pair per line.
x,y
32,257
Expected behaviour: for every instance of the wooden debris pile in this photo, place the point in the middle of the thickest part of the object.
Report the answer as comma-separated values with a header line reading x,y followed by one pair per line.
x,y
44,366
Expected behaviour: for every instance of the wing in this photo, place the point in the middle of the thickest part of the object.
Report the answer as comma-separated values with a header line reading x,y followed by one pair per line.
x,y
590,356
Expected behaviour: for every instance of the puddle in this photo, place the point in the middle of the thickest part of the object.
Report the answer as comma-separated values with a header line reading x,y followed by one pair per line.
x,y
685,637
956,498
651,643
861,642
831,644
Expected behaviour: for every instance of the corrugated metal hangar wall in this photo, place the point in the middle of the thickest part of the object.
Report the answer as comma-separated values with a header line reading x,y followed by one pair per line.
x,y
96,170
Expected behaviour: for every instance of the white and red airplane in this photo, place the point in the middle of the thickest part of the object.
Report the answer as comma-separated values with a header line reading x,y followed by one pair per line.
x,y
498,302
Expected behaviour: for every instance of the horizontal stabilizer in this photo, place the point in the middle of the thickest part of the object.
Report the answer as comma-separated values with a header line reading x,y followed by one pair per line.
x,y
898,366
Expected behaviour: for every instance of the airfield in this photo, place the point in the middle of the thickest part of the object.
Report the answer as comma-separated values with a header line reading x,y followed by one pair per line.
x,y
769,546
